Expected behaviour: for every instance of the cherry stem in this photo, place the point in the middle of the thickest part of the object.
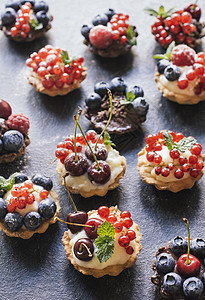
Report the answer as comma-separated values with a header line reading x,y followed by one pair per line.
x,y
86,247
76,224
108,122
74,206
76,118
187,262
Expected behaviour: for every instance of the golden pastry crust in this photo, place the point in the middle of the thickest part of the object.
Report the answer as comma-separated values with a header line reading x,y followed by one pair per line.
x,y
112,270
27,234
95,191
35,80
174,186
175,97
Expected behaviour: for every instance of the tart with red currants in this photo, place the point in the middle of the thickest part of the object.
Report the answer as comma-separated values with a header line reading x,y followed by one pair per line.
x,y
27,205
180,74
54,72
110,34
25,21
171,161
13,133
181,26
179,268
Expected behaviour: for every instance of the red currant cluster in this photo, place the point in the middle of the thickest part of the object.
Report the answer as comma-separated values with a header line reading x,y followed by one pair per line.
x,y
18,122
182,165
52,70
22,26
119,24
121,225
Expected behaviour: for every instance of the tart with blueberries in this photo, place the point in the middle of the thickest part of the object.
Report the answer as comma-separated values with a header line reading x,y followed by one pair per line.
x,y
129,106
54,72
106,242
180,74
13,133
179,274
27,205
110,34
25,21
171,161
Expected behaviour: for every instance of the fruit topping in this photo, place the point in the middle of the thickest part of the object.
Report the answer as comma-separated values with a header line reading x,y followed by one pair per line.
x,y
43,181
3,208
183,55
178,245
164,263
18,122
12,140
172,73
172,283
197,247
99,174
76,168
193,288
47,208
32,220
194,10
5,109
92,231
84,249
13,221
79,217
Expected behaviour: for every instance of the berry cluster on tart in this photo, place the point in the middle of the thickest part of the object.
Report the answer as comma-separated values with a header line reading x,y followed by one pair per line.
x,y
25,21
180,74
54,72
171,161
110,34
13,133
27,205
129,106
181,26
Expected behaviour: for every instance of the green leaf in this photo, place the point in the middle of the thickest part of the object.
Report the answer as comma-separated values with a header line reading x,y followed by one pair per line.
x,y
168,139
107,139
65,57
131,36
107,229
169,50
130,96
105,248
185,144
7,184
35,24
160,56
161,10
151,12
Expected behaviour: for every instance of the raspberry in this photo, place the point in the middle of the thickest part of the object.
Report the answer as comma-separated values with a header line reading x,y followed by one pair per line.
x,y
182,55
100,37
18,122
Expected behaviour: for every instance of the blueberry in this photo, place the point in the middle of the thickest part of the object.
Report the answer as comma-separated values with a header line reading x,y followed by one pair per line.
x,y
164,263
85,30
13,221
93,101
43,17
178,245
1,146
32,220
172,73
101,88
197,247
141,106
13,4
13,140
32,2
20,177
110,13
172,283
193,287
3,208
161,65
118,85
47,208
100,20
43,181
8,17
41,5
136,90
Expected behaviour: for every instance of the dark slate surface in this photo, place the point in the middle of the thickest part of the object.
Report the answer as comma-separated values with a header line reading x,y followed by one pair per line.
x,y
38,268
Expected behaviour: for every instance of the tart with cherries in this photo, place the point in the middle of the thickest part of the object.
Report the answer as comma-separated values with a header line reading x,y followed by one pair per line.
x,y
106,243
54,72
13,133
129,106
179,274
171,161
27,206
110,34
180,74
25,21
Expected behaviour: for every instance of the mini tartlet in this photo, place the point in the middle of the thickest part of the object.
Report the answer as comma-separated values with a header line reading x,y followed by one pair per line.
x,y
110,34
110,245
25,21
27,206
171,161
54,72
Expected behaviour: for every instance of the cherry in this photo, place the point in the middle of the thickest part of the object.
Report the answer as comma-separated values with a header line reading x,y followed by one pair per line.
x,y
124,241
5,109
83,249
76,168
79,217
101,153
103,212
92,231
194,10
99,175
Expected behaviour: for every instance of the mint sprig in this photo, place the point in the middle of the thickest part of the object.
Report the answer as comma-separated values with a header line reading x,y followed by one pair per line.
x,y
183,145
168,139
7,184
130,96
65,57
107,139
168,53
131,36
160,13
35,24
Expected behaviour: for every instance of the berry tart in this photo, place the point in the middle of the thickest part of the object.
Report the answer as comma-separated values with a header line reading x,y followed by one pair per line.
x,y
179,274
180,74
129,106
13,133
181,26
171,161
110,34
106,241
27,206
25,21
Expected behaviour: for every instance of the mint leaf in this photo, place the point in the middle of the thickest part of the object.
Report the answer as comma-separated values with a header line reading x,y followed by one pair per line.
x,y
168,139
35,24
7,184
169,50
65,57
185,144
130,96
151,12
105,248
161,10
107,229
107,139
160,56
131,36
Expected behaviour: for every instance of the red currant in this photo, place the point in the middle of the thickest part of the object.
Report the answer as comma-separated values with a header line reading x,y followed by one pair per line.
x,y
124,241
44,194
193,159
127,222
182,83
151,139
112,219
150,156
178,173
125,214
174,153
165,172
103,212
199,165
158,170
118,226
194,173
196,150
186,168
130,250
182,160
131,234
157,159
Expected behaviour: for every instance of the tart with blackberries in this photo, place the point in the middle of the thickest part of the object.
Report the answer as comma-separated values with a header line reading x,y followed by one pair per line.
x,y
13,133
25,21
129,106
179,274
171,161
54,72
27,206
180,74
110,34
